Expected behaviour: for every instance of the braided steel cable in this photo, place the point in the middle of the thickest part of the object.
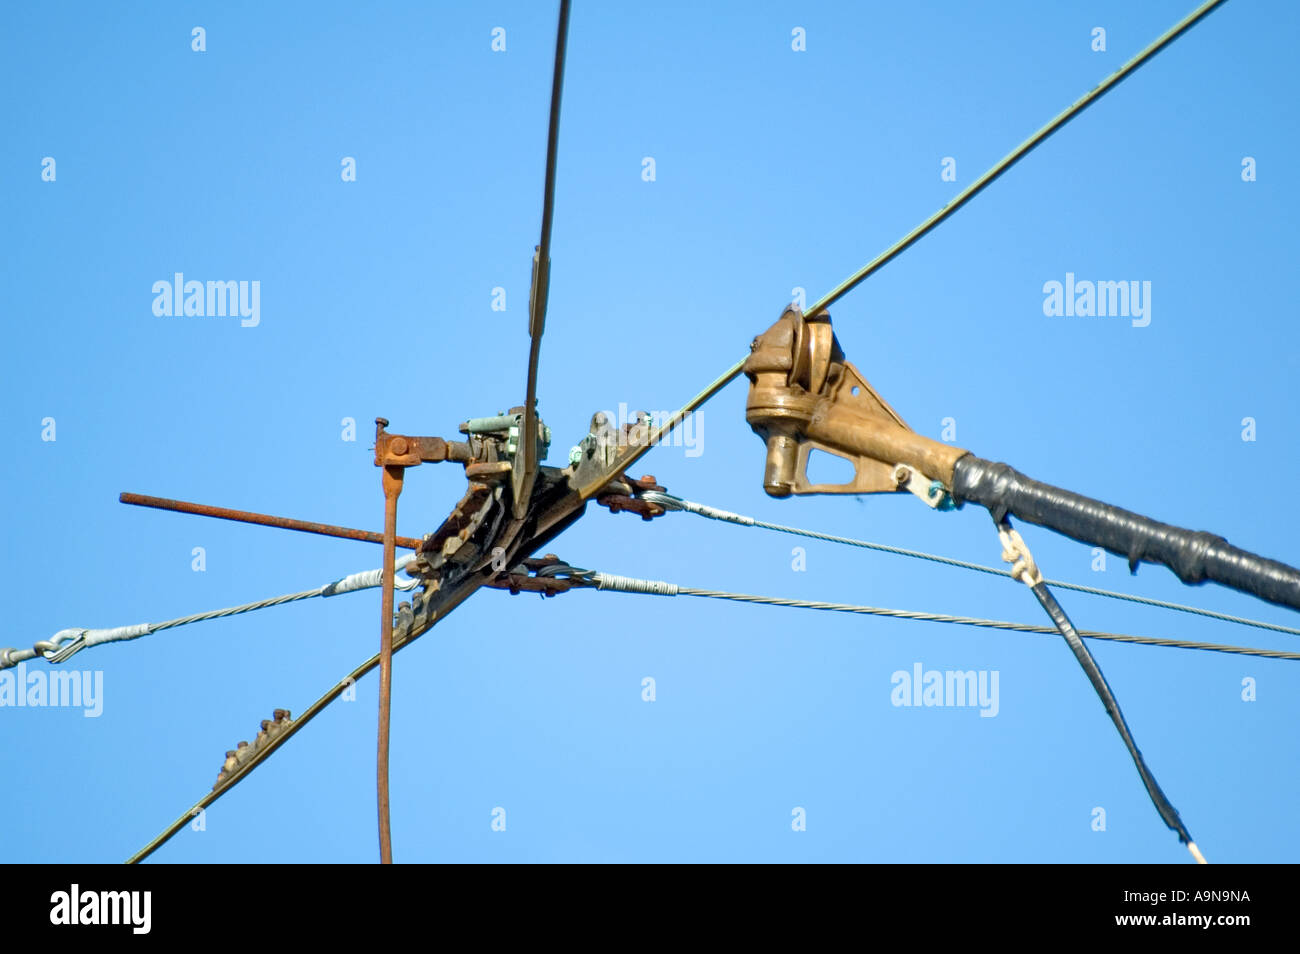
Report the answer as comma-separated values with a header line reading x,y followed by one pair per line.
x,y
669,502
67,642
624,584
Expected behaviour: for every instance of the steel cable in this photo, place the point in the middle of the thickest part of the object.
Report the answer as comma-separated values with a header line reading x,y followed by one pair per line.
x,y
623,584
669,502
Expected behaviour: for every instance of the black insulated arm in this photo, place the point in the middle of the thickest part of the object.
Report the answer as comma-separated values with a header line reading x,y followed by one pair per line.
x,y
1195,556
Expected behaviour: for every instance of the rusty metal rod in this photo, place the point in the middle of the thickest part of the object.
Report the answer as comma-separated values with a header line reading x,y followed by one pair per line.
x,y
266,520
392,482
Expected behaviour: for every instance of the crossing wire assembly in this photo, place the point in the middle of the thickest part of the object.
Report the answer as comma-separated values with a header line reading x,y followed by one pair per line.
x,y
803,396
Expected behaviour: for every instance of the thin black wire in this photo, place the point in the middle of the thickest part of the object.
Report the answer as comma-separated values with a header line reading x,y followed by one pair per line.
x,y
540,291
1168,813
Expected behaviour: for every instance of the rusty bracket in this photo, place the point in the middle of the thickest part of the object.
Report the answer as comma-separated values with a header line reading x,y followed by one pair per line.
x,y
623,493
401,450
547,574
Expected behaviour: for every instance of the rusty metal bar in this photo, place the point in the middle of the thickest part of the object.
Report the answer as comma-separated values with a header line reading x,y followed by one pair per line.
x,y
392,482
265,520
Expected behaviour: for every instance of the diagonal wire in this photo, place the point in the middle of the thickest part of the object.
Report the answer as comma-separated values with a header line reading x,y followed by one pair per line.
x,y
622,584
410,631
1016,552
1005,163
669,502
67,642
1168,814
1014,156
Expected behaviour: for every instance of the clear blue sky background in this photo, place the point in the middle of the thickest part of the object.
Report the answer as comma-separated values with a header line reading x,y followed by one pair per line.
x,y
775,169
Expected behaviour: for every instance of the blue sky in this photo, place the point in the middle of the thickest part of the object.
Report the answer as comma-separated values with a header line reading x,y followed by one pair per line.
x,y
774,169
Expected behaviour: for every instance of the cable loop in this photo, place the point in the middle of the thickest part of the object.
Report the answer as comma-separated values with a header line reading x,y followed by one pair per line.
x,y
667,501
1016,552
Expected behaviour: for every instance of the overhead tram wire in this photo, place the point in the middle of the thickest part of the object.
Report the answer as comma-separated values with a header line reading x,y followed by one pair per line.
x,y
614,583
407,636
670,502
260,756
906,242
635,453
624,584
1014,156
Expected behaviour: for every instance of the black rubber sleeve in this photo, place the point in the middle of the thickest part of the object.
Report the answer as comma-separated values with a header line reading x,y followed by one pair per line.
x,y
1195,556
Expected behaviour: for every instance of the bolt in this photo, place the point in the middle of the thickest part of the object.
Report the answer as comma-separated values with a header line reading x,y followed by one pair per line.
x,y
398,446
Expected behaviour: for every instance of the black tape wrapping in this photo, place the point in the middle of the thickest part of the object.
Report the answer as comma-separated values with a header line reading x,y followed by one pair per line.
x,y
1194,556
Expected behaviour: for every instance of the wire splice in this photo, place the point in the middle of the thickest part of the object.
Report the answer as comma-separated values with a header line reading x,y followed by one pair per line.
x,y
630,584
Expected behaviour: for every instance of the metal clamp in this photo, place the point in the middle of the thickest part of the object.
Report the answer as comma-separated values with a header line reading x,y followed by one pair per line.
x,y
931,492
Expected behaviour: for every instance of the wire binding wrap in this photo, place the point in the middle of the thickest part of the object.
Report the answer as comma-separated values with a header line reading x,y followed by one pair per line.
x,y
630,584
669,502
368,579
